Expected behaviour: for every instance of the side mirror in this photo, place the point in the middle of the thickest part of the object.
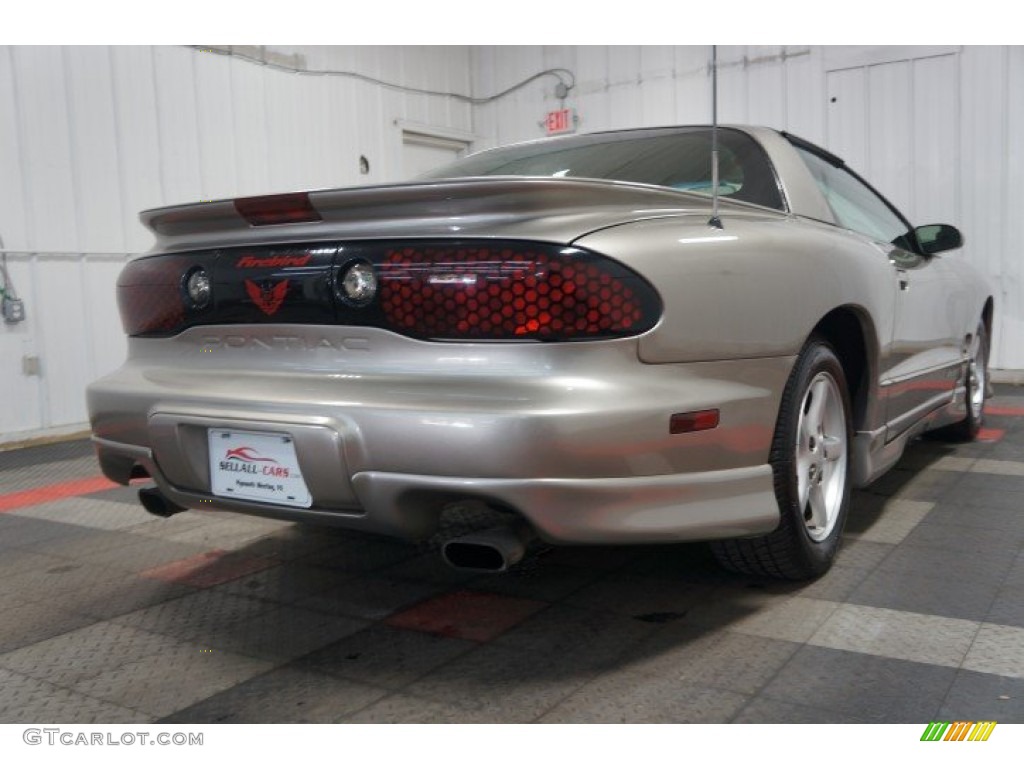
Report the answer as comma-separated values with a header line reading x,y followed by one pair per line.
x,y
936,238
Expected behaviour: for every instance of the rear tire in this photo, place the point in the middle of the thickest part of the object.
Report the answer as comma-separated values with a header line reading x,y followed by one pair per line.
x,y
810,460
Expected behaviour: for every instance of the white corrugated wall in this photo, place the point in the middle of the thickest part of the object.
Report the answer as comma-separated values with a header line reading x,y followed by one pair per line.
x,y
91,135
936,128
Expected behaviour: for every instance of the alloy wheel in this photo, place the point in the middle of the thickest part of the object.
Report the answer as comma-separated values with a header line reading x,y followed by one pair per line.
x,y
821,456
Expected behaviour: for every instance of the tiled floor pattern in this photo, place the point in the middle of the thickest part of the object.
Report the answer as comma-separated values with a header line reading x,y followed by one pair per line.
x,y
111,615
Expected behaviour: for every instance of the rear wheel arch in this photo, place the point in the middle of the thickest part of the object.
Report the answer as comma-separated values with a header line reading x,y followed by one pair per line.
x,y
851,333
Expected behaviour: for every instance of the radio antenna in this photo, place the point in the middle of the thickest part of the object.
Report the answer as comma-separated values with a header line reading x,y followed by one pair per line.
x,y
714,221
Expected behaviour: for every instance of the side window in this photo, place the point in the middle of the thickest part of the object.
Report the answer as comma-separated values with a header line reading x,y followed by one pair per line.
x,y
855,205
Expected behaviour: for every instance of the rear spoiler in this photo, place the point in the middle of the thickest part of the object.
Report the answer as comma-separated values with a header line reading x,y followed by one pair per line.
x,y
448,205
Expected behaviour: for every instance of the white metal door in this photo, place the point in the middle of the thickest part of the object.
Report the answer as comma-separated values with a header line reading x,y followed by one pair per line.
x,y
422,153
896,124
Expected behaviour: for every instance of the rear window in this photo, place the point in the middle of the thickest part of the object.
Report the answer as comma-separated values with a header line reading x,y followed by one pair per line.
x,y
675,158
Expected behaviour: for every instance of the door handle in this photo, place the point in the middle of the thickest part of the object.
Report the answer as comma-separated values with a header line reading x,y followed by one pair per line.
x,y
901,275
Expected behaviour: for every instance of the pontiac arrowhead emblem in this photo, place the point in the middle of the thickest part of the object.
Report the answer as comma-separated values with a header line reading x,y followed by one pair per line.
x,y
268,298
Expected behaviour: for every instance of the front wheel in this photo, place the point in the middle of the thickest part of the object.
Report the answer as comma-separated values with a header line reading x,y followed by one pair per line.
x,y
810,460
976,383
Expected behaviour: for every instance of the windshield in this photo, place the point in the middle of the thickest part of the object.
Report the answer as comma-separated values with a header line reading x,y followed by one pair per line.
x,y
679,158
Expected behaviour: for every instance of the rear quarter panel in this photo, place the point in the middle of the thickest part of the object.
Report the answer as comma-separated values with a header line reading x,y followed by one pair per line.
x,y
754,289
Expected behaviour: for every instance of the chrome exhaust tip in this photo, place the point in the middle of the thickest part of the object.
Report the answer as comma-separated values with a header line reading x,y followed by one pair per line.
x,y
490,551
154,502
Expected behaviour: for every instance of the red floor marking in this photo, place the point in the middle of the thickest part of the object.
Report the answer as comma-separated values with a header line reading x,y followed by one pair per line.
x,y
986,435
468,615
209,569
1004,410
47,493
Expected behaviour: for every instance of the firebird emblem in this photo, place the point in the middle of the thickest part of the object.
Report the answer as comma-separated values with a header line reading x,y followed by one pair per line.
x,y
269,300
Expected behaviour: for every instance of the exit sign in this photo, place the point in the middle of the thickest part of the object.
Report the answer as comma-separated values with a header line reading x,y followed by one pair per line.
x,y
560,121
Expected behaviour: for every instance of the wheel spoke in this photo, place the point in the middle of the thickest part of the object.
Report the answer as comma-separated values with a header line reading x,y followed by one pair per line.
x,y
833,448
819,510
818,395
804,434
803,483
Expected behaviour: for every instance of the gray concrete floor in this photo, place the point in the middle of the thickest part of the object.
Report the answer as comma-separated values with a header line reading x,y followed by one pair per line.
x,y
111,615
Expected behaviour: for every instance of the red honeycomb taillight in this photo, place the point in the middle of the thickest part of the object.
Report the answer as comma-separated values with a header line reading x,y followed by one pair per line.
x,y
512,292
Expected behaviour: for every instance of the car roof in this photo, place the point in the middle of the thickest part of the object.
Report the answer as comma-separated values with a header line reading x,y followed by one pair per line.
x,y
801,195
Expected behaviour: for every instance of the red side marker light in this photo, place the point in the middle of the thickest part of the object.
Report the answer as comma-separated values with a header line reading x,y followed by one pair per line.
x,y
277,209
694,421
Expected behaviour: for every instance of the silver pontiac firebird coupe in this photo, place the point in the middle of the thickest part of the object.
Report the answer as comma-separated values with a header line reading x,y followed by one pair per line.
x,y
559,330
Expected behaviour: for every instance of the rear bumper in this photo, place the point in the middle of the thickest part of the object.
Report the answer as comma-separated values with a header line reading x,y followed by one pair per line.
x,y
661,508
573,437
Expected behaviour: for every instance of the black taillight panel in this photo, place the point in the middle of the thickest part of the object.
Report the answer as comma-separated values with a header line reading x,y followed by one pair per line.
x,y
431,290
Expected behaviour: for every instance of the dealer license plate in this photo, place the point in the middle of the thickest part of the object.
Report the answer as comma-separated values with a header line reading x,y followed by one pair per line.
x,y
256,466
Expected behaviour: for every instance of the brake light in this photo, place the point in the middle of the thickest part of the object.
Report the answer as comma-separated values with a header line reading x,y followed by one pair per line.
x,y
512,292
277,209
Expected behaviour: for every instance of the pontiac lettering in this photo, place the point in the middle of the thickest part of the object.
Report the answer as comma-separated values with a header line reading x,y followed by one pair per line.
x,y
239,341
